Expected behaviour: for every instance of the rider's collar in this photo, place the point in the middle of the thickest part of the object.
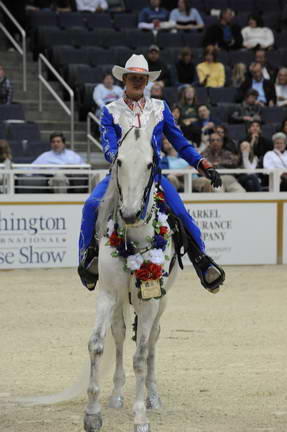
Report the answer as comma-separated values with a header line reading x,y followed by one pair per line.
x,y
133,104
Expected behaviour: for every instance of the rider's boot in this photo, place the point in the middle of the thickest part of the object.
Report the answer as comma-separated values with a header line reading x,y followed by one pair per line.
x,y
211,275
88,267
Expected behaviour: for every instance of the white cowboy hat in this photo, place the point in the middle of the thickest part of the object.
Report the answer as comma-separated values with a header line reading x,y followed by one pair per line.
x,y
135,64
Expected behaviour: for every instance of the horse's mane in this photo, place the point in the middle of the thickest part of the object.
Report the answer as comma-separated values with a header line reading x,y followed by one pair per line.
x,y
108,206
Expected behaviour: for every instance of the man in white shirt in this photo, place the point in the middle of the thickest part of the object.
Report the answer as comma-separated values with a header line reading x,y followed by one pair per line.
x,y
106,92
91,5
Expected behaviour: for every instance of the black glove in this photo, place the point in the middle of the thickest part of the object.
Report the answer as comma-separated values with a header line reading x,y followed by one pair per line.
x,y
210,173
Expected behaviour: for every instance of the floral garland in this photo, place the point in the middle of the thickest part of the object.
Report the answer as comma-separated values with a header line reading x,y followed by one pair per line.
x,y
149,264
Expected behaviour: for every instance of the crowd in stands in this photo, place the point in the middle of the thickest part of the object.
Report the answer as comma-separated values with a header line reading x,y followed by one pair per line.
x,y
224,72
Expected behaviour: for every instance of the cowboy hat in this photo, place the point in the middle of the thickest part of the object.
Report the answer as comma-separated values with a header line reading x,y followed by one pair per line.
x,y
135,64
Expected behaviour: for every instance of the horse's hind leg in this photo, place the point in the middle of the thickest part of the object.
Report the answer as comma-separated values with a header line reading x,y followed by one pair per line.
x,y
119,333
153,399
104,308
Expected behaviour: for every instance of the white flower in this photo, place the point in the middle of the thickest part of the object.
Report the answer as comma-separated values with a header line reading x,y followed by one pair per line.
x,y
134,261
162,218
156,256
111,227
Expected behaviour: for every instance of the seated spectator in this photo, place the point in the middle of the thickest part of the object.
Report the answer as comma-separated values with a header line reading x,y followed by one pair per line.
x,y
255,35
185,68
177,115
268,70
6,90
185,17
283,127
225,34
5,159
210,72
264,87
281,87
59,154
91,5
188,104
155,64
154,17
156,91
172,160
106,92
277,158
249,160
203,127
228,143
238,75
221,158
249,110
259,145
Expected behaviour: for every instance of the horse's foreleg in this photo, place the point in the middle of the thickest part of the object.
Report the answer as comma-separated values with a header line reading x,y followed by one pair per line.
x,y
146,316
119,333
153,399
104,308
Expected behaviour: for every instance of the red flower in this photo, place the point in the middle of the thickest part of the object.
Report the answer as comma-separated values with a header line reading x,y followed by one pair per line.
x,y
163,230
115,240
160,196
148,271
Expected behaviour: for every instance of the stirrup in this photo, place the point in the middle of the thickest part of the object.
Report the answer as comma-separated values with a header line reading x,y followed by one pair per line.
x,y
201,264
88,269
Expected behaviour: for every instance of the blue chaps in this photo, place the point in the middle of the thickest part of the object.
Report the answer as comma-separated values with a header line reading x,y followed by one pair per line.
x,y
172,198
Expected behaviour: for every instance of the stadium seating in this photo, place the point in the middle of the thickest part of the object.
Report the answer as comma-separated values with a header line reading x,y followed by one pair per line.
x,y
12,111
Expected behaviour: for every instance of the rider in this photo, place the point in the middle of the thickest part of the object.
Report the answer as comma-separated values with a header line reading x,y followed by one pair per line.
x,y
133,110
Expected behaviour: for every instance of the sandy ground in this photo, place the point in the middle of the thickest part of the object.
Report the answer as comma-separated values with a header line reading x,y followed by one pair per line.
x,y
222,359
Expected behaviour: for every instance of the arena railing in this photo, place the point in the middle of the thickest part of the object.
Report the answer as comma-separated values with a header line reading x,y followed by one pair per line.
x,y
42,61
22,50
11,179
91,139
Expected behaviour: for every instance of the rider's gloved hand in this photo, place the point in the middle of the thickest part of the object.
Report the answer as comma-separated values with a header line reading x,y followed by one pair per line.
x,y
210,173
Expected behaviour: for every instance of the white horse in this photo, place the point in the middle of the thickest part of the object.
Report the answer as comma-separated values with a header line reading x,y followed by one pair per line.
x,y
132,181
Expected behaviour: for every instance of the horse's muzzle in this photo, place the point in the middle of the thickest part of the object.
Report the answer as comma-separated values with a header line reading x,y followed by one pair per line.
x,y
130,218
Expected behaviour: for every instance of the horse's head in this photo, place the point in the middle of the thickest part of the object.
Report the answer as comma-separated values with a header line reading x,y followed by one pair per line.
x,y
135,173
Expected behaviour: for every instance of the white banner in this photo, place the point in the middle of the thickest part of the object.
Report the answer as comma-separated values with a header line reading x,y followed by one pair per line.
x,y
39,235
285,233
238,233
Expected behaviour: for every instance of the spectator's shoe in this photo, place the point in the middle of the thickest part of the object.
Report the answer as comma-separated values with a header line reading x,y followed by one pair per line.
x,y
211,275
88,269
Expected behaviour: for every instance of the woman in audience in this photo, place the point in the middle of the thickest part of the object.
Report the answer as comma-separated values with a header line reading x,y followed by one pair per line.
x,y
188,104
283,127
281,87
186,72
277,158
228,143
210,72
106,92
238,75
255,35
185,17
249,160
5,159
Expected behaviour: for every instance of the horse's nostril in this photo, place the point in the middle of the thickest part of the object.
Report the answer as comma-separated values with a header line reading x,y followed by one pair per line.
x,y
129,219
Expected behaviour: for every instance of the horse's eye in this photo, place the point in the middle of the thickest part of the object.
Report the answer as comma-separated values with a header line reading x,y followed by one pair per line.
x,y
149,166
119,163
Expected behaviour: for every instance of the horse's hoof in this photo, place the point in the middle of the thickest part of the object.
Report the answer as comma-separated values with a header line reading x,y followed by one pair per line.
x,y
93,422
116,402
144,427
153,402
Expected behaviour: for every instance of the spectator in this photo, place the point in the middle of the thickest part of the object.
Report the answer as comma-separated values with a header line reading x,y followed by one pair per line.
x,y
5,159
155,64
154,17
265,88
255,35
6,90
156,91
249,110
177,115
185,17
228,143
259,145
203,127
269,72
281,87
225,34
186,71
249,160
238,75
210,72
223,159
188,104
59,154
283,127
91,5
106,92
277,158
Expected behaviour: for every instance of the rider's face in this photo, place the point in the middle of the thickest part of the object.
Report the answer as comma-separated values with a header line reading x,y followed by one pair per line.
x,y
135,84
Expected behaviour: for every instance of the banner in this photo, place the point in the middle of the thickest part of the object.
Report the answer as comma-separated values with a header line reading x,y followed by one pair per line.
x,y
39,235
238,233
285,233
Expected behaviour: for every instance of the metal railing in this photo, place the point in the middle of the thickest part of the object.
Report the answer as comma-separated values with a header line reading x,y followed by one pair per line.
x,y
91,139
22,50
42,80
